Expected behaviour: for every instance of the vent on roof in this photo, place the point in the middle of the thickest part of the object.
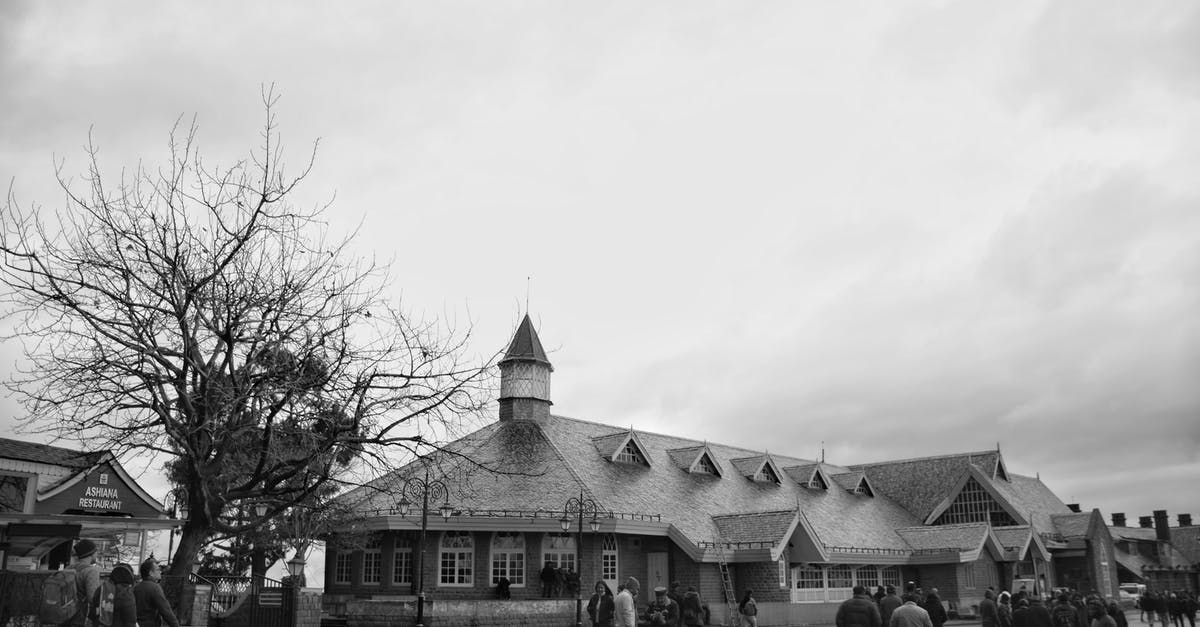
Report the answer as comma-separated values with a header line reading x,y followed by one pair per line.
x,y
863,488
817,482
1000,473
630,454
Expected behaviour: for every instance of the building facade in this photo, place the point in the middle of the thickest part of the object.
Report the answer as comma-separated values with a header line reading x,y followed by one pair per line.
x,y
800,533
51,496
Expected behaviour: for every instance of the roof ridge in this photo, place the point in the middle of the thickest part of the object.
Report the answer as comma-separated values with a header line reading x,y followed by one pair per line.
x,y
751,514
710,443
925,458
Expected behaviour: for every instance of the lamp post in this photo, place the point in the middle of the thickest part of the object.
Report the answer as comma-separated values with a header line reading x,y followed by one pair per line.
x,y
424,490
579,507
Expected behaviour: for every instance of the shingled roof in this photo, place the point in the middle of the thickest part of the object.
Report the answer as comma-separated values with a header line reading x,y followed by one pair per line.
x,y
525,344
46,454
544,463
923,484
964,537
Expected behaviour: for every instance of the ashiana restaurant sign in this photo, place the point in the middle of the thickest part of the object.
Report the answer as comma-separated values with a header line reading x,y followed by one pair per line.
x,y
100,491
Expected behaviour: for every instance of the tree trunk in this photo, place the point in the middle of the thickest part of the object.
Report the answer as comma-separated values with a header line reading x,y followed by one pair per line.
x,y
190,543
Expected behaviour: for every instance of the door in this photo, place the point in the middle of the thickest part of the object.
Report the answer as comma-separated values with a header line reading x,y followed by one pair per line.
x,y
656,574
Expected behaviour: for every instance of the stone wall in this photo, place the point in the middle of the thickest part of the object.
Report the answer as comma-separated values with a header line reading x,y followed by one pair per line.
x,y
463,613
308,608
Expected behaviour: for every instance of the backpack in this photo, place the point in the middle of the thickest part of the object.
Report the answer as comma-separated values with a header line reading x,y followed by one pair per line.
x,y
105,598
58,597
1065,616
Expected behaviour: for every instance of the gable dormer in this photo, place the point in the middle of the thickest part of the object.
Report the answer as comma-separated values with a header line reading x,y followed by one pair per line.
x,y
1001,472
760,468
624,447
810,476
696,460
854,483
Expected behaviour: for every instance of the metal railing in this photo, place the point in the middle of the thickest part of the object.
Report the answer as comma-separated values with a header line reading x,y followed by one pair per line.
x,y
522,513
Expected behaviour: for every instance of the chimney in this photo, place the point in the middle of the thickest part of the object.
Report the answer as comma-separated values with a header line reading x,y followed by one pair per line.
x,y
1145,522
1074,507
1185,520
1118,520
1161,530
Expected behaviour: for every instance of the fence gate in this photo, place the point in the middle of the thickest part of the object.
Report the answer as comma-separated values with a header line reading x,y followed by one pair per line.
x,y
272,606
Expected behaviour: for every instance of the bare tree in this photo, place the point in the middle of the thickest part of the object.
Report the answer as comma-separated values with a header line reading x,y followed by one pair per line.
x,y
196,313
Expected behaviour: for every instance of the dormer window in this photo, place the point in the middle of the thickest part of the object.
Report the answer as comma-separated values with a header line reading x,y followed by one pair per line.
x,y
705,465
766,473
630,454
817,482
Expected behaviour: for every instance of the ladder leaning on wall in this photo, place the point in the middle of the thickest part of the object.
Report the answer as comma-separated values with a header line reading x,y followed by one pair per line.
x,y
731,600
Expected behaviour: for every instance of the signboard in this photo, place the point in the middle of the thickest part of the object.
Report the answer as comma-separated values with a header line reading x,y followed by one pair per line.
x,y
100,491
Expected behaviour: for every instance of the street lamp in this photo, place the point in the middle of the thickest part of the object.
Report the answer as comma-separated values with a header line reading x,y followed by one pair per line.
x,y
424,490
579,507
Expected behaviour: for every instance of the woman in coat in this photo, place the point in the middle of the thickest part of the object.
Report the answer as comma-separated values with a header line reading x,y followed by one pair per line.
x,y
600,607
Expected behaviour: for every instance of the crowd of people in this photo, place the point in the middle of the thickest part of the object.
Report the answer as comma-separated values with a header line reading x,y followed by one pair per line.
x,y
120,600
674,607
1170,608
915,608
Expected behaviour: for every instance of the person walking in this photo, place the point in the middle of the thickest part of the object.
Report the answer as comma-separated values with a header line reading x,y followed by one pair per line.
x,y
1021,616
693,608
1039,614
910,615
600,606
1099,614
748,609
988,613
152,607
625,605
87,580
933,605
1117,614
858,611
888,604
113,604
1004,609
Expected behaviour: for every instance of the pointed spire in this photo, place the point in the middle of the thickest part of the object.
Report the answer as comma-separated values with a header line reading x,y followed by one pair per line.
x,y
525,344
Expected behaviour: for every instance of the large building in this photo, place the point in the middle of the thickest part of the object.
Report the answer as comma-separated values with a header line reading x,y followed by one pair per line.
x,y
1156,554
799,532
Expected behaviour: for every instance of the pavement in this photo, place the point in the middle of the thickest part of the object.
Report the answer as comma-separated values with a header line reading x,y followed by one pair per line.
x,y
1133,616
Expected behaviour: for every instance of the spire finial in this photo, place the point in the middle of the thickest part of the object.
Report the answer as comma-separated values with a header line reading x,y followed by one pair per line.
x,y
528,288
822,451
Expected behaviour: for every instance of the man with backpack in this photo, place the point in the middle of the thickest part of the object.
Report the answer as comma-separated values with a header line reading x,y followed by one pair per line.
x,y
114,605
1063,614
67,593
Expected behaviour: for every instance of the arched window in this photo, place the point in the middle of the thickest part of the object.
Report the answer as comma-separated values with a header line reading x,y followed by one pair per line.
x,y
608,561
508,557
559,550
456,558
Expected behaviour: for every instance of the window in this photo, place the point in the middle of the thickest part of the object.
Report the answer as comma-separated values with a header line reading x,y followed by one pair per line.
x,y
890,576
969,576
867,576
808,584
974,504
817,482
402,566
630,453
508,557
783,572
705,465
12,493
766,473
341,568
456,559
841,582
559,550
372,565
608,560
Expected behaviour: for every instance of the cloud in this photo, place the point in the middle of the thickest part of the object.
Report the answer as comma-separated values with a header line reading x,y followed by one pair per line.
x,y
1087,59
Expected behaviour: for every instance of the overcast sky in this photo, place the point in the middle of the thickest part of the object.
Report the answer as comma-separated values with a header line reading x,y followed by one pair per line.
x,y
901,229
